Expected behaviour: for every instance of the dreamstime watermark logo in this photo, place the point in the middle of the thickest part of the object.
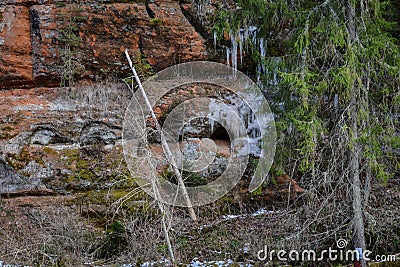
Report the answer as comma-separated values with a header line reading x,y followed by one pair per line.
x,y
244,114
331,254
341,243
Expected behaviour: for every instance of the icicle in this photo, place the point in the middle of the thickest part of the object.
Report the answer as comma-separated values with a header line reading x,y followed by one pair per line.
x,y
336,100
248,122
200,12
241,41
277,60
246,37
234,49
228,52
258,71
255,128
253,33
234,53
215,40
263,54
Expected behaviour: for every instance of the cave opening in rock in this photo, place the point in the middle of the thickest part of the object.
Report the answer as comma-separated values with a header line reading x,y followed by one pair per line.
x,y
220,134
203,128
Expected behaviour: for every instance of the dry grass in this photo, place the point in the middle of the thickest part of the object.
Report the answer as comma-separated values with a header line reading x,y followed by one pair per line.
x,y
45,235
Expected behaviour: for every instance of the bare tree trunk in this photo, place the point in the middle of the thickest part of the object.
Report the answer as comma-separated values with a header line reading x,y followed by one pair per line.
x,y
368,172
358,221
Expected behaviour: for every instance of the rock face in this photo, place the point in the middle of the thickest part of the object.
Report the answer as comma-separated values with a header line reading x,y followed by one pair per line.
x,y
55,138
69,139
15,46
66,139
44,40
10,180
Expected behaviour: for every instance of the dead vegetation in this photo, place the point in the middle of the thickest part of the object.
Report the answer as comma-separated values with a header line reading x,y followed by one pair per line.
x,y
64,231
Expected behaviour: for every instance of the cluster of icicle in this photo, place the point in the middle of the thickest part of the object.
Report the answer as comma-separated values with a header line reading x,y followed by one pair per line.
x,y
240,41
202,12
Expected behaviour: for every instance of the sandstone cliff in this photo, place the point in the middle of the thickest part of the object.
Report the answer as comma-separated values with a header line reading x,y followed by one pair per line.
x,y
42,40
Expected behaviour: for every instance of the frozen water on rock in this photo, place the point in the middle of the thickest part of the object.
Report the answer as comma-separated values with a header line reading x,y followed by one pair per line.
x,y
223,114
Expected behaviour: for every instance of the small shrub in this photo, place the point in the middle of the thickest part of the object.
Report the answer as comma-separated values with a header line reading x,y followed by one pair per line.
x,y
49,151
115,241
157,21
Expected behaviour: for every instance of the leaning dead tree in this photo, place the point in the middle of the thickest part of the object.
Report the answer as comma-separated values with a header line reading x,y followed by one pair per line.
x,y
166,149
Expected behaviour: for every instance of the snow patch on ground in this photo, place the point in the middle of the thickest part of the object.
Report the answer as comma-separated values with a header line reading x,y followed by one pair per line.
x,y
196,263
255,214
228,217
